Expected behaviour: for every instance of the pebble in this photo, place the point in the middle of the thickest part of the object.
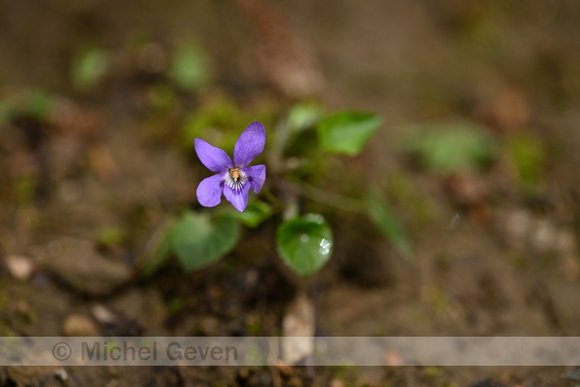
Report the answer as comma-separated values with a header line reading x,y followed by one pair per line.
x,y
522,230
298,326
77,263
20,267
337,383
103,314
145,305
79,325
210,325
115,323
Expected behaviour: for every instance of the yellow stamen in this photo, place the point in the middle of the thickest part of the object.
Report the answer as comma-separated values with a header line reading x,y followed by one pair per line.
x,y
235,173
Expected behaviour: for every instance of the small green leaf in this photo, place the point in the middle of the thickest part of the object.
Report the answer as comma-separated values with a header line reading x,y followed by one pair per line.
x,y
189,68
198,239
347,132
255,213
390,226
88,68
305,243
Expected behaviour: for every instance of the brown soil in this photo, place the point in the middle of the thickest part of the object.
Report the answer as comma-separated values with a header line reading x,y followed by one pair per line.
x,y
509,267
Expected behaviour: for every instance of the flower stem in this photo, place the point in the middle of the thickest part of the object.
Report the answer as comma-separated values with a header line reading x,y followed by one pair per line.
x,y
328,198
271,198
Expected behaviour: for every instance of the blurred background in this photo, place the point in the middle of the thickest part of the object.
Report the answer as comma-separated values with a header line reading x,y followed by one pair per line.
x,y
477,159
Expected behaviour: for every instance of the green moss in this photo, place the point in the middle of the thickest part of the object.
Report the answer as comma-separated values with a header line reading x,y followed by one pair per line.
x,y
220,121
438,301
25,189
433,371
527,155
176,305
110,236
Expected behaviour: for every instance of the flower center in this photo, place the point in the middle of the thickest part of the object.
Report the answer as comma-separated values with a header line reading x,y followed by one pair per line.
x,y
235,178
235,174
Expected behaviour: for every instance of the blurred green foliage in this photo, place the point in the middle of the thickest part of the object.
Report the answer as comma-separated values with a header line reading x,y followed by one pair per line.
x,y
162,97
25,188
432,371
159,248
303,115
36,103
289,136
110,236
89,67
196,239
386,220
189,68
255,213
408,199
347,132
217,112
448,148
218,121
527,156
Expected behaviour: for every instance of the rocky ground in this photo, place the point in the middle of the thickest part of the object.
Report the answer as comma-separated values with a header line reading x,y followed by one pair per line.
x,y
86,183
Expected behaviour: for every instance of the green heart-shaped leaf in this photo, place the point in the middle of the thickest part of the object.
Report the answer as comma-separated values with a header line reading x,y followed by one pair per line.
x,y
305,243
198,239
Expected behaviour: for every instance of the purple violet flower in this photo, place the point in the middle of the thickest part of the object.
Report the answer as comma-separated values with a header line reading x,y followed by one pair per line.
x,y
233,179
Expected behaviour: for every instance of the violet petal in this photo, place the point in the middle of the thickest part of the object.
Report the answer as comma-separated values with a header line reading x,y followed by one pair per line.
x,y
238,198
212,157
250,144
256,176
209,191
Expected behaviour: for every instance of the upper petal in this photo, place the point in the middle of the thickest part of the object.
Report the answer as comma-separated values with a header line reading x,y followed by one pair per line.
x,y
256,176
212,157
250,144
209,191
238,198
